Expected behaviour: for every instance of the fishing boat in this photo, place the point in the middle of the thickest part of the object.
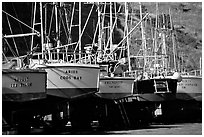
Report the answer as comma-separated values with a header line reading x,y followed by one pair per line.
x,y
66,78
189,98
113,84
71,80
190,88
114,87
22,88
72,77
23,85
150,66
117,109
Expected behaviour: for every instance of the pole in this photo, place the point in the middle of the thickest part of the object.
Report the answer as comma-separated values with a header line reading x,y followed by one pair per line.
x,y
143,39
32,38
79,30
126,27
41,23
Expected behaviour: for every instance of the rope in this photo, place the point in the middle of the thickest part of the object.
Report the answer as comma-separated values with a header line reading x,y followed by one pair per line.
x,y
12,38
51,22
20,28
10,48
20,21
84,28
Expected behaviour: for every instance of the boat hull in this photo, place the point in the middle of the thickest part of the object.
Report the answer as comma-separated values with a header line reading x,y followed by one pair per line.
x,y
145,90
23,85
71,80
190,88
116,87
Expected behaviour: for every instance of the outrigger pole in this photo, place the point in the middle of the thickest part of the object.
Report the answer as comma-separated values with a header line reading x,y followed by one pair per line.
x,y
20,21
129,33
19,35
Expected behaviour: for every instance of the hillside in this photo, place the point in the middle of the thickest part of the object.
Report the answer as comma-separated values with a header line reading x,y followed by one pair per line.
x,y
187,22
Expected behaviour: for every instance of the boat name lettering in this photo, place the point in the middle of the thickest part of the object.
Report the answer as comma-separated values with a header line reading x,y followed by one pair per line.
x,y
24,79
113,82
188,84
114,86
15,85
71,71
70,77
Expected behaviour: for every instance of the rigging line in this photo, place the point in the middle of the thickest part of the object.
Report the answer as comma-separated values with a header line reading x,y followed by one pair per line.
x,y
84,27
70,29
135,27
20,21
103,19
14,54
97,26
20,27
63,24
50,27
111,32
89,36
12,33
33,23
5,57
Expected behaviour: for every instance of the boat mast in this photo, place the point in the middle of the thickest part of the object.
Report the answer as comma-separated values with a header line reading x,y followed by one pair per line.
x,y
155,40
33,27
111,25
99,31
173,41
80,31
41,23
164,55
126,32
56,27
143,39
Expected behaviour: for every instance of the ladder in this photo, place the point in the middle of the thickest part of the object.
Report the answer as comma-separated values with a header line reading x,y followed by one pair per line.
x,y
123,113
161,86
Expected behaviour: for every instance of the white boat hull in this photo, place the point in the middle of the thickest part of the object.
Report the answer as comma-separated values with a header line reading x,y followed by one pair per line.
x,y
190,88
23,85
116,87
71,80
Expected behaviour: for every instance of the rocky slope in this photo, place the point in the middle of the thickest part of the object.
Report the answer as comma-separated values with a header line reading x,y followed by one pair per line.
x,y
187,20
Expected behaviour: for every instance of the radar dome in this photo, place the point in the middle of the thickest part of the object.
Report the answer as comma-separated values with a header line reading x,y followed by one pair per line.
x,y
177,76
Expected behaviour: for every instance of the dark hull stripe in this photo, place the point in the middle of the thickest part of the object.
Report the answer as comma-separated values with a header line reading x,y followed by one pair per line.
x,y
189,96
23,97
139,97
159,97
113,96
71,92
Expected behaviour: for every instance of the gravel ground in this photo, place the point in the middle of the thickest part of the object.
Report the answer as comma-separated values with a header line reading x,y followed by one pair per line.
x,y
174,129
157,129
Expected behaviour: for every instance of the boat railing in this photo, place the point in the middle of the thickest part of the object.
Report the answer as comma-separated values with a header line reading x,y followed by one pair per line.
x,y
134,73
63,56
193,73
196,72
140,74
